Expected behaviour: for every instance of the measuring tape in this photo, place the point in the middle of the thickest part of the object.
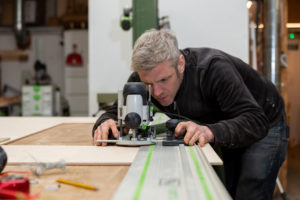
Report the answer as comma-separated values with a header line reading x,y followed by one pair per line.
x,y
15,185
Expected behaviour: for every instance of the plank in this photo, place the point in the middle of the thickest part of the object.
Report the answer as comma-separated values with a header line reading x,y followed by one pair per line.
x,y
19,127
211,155
76,134
83,155
73,155
13,55
79,134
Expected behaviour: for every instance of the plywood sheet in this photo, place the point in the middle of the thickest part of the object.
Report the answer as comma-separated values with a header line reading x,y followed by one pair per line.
x,y
18,127
84,155
73,155
77,134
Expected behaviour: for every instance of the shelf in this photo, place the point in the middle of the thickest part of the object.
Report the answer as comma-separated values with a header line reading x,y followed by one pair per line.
x,y
13,55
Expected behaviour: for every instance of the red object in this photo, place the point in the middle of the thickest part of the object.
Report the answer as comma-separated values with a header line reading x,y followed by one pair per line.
x,y
74,58
13,187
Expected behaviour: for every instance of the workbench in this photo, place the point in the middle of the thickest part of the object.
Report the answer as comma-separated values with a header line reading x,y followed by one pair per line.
x,y
7,103
63,131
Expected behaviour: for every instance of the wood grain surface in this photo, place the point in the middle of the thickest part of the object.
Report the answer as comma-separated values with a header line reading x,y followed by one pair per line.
x,y
16,128
106,178
62,134
72,155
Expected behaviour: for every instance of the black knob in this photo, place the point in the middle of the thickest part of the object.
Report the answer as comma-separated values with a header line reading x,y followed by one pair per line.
x,y
133,120
171,124
171,140
3,159
126,23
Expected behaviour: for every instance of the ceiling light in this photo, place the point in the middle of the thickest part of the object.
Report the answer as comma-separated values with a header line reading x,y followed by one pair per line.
x,y
249,4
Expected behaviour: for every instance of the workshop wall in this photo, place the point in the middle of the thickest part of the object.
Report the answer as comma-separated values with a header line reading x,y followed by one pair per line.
x,y
219,24
109,49
293,91
202,23
45,46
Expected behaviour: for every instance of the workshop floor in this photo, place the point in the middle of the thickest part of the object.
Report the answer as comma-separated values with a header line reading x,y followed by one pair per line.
x,y
293,174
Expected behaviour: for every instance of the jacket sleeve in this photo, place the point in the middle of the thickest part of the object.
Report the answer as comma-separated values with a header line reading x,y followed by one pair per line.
x,y
112,112
245,121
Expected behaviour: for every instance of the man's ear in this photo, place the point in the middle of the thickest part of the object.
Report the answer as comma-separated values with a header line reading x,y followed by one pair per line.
x,y
181,64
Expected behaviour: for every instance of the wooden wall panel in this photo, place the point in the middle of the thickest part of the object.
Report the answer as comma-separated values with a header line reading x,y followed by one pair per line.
x,y
293,13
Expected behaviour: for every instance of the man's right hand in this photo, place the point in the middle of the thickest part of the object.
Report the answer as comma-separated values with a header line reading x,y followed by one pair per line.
x,y
102,131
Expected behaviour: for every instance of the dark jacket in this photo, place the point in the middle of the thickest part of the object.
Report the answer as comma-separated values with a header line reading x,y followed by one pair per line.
x,y
237,103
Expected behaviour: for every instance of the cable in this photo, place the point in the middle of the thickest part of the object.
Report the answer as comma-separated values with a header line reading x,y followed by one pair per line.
x,y
175,115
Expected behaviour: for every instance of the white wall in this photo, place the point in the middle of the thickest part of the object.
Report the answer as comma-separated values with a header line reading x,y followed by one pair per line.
x,y
197,23
109,49
45,46
209,23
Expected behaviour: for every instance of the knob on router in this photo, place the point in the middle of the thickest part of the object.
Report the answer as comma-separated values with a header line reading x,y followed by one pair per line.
x,y
171,124
133,120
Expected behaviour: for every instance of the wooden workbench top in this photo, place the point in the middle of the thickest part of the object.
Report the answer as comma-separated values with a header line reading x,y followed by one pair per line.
x,y
14,128
69,132
106,178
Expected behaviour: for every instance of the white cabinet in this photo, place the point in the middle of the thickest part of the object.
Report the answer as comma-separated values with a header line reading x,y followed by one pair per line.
x,y
38,100
76,77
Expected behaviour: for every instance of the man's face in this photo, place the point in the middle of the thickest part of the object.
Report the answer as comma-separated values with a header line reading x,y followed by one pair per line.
x,y
164,80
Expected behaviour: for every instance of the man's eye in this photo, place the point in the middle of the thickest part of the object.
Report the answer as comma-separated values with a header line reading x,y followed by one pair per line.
x,y
164,80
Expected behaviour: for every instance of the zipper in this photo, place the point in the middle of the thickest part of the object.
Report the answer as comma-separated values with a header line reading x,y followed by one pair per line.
x,y
175,108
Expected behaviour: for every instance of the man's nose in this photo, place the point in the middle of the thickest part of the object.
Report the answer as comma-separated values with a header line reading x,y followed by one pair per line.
x,y
156,90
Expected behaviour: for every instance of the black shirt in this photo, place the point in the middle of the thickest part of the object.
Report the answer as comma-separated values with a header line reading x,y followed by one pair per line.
x,y
237,103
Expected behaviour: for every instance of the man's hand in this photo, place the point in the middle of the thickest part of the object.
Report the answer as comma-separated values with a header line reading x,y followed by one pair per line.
x,y
194,133
102,131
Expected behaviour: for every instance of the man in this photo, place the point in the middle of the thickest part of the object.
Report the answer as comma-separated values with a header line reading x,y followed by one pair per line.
x,y
240,111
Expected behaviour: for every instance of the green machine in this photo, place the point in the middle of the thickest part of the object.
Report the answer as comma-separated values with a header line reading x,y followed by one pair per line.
x,y
141,17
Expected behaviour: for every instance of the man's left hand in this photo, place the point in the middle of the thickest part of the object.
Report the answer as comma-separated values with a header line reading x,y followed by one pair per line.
x,y
194,133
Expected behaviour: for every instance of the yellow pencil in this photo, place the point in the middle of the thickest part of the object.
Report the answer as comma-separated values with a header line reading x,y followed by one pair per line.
x,y
90,187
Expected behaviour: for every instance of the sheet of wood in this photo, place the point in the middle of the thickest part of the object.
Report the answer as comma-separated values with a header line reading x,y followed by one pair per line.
x,y
19,127
78,134
83,155
73,155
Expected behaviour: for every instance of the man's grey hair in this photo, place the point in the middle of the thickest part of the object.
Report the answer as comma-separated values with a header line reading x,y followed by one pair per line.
x,y
154,47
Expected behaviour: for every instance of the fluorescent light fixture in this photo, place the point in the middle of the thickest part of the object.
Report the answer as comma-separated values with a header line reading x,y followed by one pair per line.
x,y
249,4
293,25
288,25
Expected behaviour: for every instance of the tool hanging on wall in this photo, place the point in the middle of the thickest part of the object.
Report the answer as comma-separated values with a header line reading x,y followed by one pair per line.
x,y
41,76
74,58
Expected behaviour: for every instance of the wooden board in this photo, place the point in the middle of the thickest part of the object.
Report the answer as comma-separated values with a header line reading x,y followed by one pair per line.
x,y
83,155
19,127
62,134
33,132
106,178
13,55
211,155
73,155
80,134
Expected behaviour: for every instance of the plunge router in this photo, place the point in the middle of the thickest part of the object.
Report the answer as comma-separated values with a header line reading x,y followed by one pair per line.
x,y
134,112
